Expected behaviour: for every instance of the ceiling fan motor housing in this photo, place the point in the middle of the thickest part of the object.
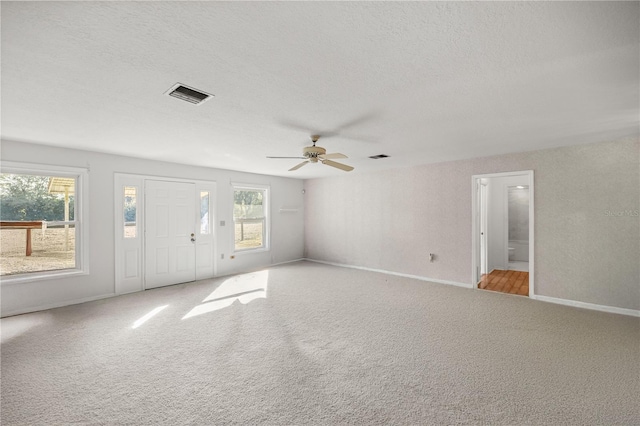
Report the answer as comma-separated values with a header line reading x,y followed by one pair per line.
x,y
312,152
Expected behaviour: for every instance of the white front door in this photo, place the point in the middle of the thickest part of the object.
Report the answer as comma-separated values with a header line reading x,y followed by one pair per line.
x,y
170,250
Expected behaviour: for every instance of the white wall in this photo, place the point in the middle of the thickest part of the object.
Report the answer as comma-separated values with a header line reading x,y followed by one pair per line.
x,y
287,229
518,208
587,247
497,219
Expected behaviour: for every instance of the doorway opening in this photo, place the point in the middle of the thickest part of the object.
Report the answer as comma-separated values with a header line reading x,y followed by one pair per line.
x,y
503,237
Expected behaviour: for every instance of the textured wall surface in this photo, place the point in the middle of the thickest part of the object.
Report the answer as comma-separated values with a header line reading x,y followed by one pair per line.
x,y
587,231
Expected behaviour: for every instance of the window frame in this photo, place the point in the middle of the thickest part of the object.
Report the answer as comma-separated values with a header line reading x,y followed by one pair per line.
x,y
136,223
199,192
266,202
80,219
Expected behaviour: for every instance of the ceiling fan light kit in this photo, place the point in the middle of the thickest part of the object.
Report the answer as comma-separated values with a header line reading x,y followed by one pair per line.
x,y
314,154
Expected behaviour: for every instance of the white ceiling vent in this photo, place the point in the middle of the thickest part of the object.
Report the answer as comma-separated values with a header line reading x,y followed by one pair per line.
x,y
188,94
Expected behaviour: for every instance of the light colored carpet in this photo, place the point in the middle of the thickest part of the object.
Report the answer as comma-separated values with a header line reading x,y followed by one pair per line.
x,y
326,346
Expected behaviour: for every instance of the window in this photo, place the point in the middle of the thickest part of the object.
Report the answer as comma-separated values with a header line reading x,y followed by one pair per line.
x,y
41,214
250,218
204,213
130,209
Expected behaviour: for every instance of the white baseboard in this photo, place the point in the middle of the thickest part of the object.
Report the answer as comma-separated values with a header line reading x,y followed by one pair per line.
x,y
256,268
55,305
288,261
566,302
397,274
104,296
585,305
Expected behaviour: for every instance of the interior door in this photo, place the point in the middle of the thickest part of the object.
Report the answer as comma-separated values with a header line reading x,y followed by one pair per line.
x,y
170,250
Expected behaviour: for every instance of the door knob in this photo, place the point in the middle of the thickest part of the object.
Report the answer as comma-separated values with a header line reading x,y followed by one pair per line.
x,y
193,240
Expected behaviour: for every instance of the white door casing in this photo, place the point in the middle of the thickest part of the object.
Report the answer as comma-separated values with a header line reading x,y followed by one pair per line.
x,y
475,225
483,228
170,231
129,236
128,244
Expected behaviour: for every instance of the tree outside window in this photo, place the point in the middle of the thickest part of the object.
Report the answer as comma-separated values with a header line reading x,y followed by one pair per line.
x,y
38,223
249,218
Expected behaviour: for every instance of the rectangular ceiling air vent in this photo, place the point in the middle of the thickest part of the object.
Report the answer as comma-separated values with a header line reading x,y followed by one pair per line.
x,y
188,94
379,156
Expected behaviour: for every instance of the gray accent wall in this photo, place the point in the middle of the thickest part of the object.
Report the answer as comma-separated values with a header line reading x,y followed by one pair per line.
x,y
587,228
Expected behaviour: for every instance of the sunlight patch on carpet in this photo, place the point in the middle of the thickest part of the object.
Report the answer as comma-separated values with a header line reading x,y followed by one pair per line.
x,y
148,316
244,288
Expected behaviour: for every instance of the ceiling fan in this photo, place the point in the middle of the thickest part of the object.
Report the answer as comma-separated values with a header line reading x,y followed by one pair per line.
x,y
313,154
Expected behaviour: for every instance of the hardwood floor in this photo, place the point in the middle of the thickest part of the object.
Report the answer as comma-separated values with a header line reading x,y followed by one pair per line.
x,y
514,282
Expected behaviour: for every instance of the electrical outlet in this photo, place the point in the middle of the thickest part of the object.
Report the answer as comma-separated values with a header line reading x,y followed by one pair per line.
x,y
222,223
222,256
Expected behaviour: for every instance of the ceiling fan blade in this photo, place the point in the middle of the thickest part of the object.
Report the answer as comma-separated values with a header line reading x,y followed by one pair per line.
x,y
337,165
307,129
301,158
298,166
332,156
293,125
371,115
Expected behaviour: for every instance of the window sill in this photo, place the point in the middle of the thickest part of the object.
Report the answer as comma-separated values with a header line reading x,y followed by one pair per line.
x,y
40,276
250,250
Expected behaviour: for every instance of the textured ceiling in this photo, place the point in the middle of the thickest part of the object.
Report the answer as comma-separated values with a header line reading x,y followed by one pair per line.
x,y
422,82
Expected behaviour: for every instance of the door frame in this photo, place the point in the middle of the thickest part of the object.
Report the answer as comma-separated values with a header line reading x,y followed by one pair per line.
x,y
139,181
475,225
483,225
